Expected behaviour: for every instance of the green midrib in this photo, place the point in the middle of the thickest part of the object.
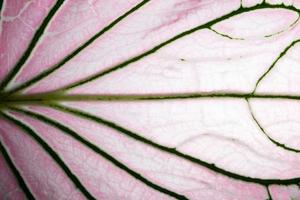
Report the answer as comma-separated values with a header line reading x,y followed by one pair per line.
x,y
57,97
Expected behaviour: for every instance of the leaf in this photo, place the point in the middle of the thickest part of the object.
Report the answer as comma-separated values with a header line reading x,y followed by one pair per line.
x,y
195,99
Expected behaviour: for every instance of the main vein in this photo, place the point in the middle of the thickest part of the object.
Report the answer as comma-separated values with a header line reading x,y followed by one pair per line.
x,y
58,97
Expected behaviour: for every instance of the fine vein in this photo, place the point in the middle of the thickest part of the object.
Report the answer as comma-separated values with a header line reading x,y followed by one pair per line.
x,y
274,63
283,146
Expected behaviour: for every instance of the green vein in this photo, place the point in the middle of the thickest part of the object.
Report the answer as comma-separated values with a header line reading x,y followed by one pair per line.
x,y
173,151
1,7
274,63
185,33
151,51
31,45
16,172
76,51
54,97
51,153
99,151
290,27
224,35
269,193
264,132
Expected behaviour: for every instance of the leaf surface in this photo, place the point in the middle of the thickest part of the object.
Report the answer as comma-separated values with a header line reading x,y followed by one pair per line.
x,y
149,99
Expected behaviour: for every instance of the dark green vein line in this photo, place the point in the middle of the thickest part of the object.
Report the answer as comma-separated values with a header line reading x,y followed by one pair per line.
x,y
185,33
151,51
283,146
51,153
97,150
269,193
15,171
31,45
1,7
224,35
49,97
282,31
76,51
274,63
173,151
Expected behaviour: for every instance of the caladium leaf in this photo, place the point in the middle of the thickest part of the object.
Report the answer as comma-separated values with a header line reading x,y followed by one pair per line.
x,y
179,99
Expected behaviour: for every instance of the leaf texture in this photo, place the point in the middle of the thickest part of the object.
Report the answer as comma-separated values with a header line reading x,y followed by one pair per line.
x,y
179,99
